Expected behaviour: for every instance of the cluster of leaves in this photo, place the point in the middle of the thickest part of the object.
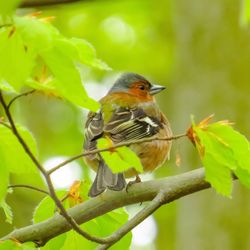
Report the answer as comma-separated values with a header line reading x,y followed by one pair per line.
x,y
224,152
36,55
42,58
101,226
19,164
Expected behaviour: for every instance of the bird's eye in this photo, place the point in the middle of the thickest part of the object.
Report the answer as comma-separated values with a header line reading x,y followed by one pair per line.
x,y
142,87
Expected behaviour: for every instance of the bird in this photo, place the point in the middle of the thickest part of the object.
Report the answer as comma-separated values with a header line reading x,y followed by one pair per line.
x,y
128,112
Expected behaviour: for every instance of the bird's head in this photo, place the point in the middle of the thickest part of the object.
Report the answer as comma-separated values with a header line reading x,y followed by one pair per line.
x,y
135,85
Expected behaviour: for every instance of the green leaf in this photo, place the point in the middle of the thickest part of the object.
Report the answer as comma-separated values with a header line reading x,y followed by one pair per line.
x,y
37,34
11,245
129,156
16,61
67,79
75,241
4,173
87,54
119,159
7,7
46,208
6,87
7,211
223,150
47,87
244,176
81,50
237,142
56,243
216,147
10,146
28,246
245,13
218,175
102,226
32,44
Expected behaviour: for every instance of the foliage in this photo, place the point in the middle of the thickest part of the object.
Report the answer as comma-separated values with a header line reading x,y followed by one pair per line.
x,y
223,151
52,63
21,163
101,226
49,60
7,8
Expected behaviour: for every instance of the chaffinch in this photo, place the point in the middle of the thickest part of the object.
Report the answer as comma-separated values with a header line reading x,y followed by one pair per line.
x,y
128,112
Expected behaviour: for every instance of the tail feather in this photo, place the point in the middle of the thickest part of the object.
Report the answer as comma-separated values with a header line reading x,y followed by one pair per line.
x,y
106,179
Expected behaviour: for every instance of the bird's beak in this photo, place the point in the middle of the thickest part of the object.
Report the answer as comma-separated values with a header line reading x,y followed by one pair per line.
x,y
156,89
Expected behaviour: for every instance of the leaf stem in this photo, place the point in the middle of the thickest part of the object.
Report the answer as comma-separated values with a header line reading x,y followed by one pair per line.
x,y
18,96
29,187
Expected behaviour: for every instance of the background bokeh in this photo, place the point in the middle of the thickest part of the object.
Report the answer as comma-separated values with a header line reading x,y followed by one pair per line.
x,y
201,52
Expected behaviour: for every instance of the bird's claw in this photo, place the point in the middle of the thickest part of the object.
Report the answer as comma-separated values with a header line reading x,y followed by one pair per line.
x,y
130,183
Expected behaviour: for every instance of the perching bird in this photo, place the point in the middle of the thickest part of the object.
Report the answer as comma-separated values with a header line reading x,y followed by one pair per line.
x,y
128,112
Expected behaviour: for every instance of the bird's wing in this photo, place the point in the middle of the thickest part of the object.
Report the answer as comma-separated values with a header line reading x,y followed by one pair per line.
x,y
93,130
131,124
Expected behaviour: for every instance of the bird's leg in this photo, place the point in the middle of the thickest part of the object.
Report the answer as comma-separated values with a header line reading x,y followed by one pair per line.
x,y
137,180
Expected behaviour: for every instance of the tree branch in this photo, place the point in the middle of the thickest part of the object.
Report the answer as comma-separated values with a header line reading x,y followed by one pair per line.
x,y
171,188
41,3
108,241
157,202
69,220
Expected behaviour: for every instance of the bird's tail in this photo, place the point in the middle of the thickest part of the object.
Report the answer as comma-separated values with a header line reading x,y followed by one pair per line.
x,y
106,179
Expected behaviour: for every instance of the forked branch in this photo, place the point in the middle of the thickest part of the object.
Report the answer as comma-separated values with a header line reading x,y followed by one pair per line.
x,y
158,192
171,188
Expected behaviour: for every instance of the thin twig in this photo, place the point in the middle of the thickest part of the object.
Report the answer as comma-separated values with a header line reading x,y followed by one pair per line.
x,y
6,25
29,187
19,137
18,96
5,124
157,202
128,143
40,3
47,177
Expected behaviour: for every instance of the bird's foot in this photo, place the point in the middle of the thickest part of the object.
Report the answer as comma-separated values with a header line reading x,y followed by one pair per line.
x,y
137,180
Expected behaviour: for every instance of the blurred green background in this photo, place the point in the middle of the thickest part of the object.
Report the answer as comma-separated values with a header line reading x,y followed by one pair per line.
x,y
201,51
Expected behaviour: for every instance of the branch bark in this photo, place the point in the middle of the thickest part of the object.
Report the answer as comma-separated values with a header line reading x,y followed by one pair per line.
x,y
171,189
